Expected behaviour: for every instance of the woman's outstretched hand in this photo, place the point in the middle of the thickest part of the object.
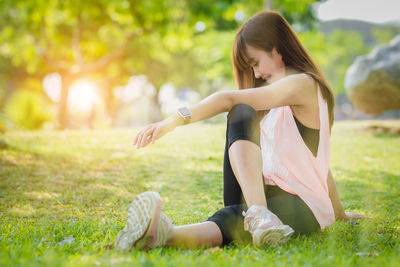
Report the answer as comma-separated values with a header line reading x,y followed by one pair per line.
x,y
152,132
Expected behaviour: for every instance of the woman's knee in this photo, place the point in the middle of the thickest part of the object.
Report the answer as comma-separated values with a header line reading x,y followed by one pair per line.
x,y
241,112
243,123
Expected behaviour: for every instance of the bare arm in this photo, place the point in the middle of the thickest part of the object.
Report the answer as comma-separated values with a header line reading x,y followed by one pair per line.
x,y
291,90
334,196
208,107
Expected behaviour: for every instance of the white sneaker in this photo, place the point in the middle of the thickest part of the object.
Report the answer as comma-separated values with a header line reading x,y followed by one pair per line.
x,y
147,227
265,227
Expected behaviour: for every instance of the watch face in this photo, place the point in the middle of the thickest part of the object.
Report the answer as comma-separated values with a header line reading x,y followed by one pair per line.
x,y
185,112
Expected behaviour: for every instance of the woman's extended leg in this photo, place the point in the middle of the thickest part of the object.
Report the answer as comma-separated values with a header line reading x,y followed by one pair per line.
x,y
148,227
204,234
290,209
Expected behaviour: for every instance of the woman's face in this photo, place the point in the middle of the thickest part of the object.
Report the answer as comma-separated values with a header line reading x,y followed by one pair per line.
x,y
266,65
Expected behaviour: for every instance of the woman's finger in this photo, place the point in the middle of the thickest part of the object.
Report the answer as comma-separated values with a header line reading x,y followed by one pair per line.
x,y
152,138
155,133
148,140
143,139
140,135
137,138
139,141
146,134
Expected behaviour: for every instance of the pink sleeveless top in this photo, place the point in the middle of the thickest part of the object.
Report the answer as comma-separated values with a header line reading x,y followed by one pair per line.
x,y
288,162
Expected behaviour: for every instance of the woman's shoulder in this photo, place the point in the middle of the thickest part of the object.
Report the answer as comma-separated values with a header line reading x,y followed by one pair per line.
x,y
304,86
304,80
308,112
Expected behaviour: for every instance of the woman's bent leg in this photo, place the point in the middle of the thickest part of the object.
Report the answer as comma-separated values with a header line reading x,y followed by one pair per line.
x,y
245,158
242,160
290,209
232,191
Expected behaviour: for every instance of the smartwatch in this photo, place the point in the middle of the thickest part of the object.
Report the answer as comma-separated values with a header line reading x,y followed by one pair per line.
x,y
185,113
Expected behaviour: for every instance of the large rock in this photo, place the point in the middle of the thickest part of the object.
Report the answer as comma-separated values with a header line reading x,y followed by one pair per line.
x,y
373,81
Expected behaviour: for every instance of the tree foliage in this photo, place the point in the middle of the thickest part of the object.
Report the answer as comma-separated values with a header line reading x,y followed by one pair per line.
x,y
111,40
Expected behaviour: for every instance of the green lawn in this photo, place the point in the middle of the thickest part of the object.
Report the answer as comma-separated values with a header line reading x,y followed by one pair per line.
x,y
54,185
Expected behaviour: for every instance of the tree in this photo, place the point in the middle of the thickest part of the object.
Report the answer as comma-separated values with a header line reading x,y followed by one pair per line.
x,y
111,40
80,38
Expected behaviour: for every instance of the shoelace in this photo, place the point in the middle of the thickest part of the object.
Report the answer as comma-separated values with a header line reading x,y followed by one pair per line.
x,y
254,217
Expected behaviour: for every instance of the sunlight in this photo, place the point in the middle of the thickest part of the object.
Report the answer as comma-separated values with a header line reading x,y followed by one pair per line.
x,y
83,95
52,86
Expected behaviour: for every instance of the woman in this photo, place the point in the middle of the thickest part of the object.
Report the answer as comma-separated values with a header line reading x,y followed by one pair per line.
x,y
276,165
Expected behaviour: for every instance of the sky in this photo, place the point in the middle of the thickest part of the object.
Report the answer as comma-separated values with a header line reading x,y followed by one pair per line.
x,y
377,11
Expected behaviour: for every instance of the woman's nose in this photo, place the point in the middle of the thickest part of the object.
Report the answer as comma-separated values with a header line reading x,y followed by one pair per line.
x,y
257,74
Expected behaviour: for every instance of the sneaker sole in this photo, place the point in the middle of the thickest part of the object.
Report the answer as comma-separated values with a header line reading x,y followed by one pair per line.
x,y
143,218
272,236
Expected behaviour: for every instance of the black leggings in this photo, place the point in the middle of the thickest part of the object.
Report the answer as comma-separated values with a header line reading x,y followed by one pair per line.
x,y
242,123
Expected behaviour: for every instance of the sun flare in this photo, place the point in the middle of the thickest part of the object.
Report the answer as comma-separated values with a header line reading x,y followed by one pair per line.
x,y
83,95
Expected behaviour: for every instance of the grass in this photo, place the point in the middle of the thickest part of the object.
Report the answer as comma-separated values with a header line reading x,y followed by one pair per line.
x,y
78,184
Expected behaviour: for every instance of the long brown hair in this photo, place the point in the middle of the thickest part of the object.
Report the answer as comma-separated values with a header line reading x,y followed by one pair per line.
x,y
266,30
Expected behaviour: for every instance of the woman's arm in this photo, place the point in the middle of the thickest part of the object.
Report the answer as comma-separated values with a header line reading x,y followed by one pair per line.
x,y
334,196
292,90
296,89
208,107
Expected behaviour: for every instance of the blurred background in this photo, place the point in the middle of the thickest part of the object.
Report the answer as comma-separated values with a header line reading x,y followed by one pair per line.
x,y
76,64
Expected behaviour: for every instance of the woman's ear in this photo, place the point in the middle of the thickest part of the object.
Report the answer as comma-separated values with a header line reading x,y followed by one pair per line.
x,y
275,52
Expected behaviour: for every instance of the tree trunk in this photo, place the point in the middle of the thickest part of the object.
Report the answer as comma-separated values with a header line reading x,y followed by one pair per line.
x,y
63,103
156,110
